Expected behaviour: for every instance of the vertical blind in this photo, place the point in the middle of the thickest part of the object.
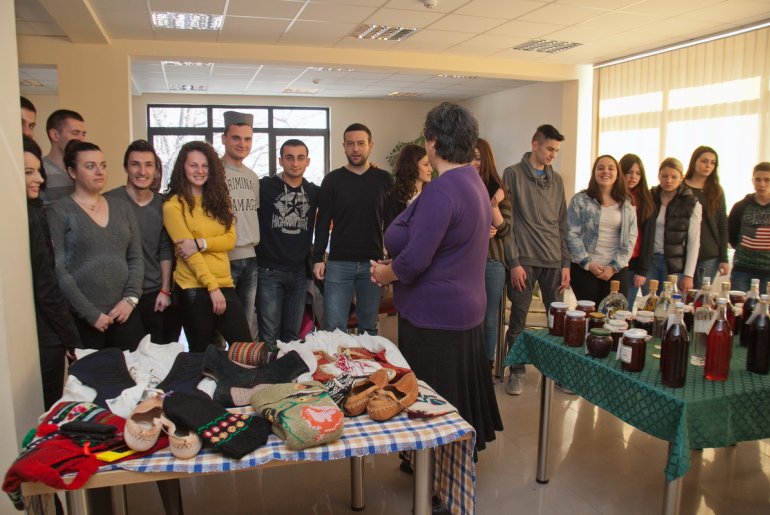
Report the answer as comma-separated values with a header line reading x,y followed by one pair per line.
x,y
715,94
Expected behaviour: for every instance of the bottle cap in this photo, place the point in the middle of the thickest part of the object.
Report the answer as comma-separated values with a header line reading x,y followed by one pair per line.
x,y
721,300
755,281
679,305
575,313
586,303
764,296
559,305
677,296
614,285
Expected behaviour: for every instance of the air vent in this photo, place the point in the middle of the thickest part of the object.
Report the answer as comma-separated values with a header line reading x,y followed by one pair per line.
x,y
185,63
301,91
448,76
547,46
188,87
326,69
186,21
403,94
382,32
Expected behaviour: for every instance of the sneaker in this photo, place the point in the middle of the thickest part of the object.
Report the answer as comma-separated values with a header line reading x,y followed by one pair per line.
x,y
565,390
514,384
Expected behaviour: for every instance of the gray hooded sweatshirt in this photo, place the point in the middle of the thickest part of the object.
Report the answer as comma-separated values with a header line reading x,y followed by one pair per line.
x,y
539,226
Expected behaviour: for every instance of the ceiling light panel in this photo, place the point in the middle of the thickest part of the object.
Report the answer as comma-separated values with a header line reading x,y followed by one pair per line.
x,y
186,21
382,32
547,46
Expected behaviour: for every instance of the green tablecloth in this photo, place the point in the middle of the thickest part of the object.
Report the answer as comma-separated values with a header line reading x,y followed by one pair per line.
x,y
702,414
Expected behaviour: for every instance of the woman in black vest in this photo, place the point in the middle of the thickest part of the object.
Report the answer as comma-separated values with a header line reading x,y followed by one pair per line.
x,y
677,227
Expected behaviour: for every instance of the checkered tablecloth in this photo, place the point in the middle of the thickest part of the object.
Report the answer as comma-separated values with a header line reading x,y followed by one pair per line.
x,y
454,440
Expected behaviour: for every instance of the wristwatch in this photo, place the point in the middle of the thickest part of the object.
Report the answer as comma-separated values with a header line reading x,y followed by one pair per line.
x,y
131,301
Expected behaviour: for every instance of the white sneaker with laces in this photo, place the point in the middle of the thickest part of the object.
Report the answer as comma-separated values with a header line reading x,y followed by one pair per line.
x,y
514,384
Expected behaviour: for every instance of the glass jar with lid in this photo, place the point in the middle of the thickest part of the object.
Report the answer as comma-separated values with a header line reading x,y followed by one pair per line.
x,y
633,350
616,328
556,314
598,343
575,328
586,306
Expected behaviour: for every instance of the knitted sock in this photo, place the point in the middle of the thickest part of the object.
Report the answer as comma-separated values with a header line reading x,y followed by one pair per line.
x,y
232,378
339,387
105,371
232,435
185,374
303,414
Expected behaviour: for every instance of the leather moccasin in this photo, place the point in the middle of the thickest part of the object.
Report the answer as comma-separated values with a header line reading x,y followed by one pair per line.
x,y
361,393
184,444
143,425
392,399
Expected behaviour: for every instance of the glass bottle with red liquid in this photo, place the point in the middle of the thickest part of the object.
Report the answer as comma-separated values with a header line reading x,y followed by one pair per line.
x,y
719,345
674,354
729,308
758,352
752,299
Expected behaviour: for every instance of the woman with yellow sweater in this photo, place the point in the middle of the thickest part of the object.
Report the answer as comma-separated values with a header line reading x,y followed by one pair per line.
x,y
198,217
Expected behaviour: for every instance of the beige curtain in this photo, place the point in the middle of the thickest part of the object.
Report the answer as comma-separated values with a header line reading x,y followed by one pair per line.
x,y
714,93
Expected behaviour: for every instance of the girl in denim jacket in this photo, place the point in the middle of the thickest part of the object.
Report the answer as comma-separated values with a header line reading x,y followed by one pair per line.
x,y
602,232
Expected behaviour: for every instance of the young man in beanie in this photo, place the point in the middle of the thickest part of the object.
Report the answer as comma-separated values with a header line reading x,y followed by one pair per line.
x,y
243,184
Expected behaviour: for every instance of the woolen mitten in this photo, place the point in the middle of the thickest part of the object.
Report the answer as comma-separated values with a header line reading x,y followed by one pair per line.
x,y
233,435
303,414
185,373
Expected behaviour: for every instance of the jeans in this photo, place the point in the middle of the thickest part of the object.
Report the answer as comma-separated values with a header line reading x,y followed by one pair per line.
x,y
199,320
549,280
244,272
705,268
741,281
494,282
342,279
281,295
659,271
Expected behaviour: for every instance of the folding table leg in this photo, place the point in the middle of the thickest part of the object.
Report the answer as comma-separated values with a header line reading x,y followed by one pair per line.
x,y
543,441
672,495
357,501
119,501
77,502
423,481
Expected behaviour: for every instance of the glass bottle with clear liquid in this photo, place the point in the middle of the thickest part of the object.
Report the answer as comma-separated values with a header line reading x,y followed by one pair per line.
x,y
613,302
674,280
703,316
719,345
661,311
758,352
752,299
704,295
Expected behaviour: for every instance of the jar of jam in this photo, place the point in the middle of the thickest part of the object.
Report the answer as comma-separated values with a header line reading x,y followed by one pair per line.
x,y
644,320
624,315
586,306
599,343
556,314
633,350
575,328
596,320
616,328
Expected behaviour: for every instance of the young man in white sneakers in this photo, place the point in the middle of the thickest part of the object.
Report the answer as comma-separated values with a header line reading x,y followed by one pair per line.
x,y
536,250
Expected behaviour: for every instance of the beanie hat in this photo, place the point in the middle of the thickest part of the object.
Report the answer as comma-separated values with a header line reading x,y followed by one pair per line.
x,y
233,435
303,414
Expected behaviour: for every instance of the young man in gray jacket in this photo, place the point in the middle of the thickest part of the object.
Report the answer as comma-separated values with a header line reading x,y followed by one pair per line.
x,y
536,250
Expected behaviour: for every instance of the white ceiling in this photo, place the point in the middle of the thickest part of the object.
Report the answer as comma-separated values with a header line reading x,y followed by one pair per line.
x,y
480,29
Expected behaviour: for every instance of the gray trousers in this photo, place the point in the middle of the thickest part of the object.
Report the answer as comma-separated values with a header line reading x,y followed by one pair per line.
x,y
549,280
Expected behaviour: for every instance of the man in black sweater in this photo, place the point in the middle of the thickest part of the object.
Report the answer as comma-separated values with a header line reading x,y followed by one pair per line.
x,y
351,201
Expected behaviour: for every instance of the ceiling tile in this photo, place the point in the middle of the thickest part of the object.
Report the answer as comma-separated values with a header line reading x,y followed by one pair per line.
x,y
525,30
668,8
366,44
402,18
493,42
251,30
665,28
122,5
563,14
130,24
502,10
634,41
188,6
423,48
264,8
316,33
469,51
337,13
428,36
375,3
444,6
464,23
599,4
186,35
734,10
581,34
621,21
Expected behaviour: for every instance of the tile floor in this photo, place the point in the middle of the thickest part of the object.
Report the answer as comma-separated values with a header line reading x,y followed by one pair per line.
x,y
599,465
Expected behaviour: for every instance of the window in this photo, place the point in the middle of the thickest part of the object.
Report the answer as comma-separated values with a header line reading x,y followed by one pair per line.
x,y
171,126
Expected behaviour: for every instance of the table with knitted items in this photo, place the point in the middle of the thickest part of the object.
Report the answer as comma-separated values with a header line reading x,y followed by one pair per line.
x,y
453,440
702,414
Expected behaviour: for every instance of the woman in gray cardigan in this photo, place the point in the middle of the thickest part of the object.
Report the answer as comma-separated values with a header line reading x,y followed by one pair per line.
x,y
98,252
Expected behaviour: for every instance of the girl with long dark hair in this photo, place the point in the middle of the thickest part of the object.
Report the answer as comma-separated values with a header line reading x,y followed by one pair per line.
x,y
703,179
601,233
413,171
199,219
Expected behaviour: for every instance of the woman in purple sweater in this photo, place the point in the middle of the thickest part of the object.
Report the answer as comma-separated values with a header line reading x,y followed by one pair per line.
x,y
439,248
